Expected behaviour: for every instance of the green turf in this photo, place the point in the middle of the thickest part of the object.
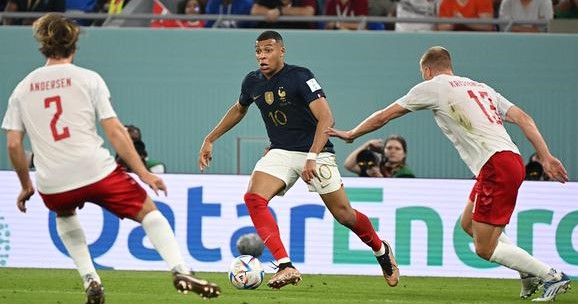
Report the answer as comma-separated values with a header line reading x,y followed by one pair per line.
x,y
58,286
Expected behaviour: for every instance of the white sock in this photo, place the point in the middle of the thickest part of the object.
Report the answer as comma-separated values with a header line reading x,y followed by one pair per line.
x,y
283,260
506,239
516,258
163,239
72,235
381,250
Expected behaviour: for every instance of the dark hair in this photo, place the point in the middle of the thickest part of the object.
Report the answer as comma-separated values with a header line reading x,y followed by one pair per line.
x,y
134,132
57,35
266,35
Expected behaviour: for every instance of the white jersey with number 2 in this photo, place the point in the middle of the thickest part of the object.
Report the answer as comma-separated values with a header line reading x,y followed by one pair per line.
x,y
58,106
470,114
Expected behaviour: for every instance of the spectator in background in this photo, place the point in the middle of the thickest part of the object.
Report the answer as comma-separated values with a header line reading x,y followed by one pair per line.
x,y
226,8
527,10
31,6
534,169
81,6
272,9
390,156
566,9
191,7
346,8
153,166
416,9
381,8
472,9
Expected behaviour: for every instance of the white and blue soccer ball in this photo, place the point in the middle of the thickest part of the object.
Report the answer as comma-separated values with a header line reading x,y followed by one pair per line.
x,y
246,272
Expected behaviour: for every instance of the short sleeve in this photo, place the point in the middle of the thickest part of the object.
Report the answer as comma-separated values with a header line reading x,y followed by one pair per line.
x,y
101,99
506,9
308,87
503,105
360,7
421,96
445,9
546,10
330,8
12,118
485,7
245,96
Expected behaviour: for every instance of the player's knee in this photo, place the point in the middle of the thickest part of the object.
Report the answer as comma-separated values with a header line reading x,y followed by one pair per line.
x,y
467,226
484,252
254,201
345,217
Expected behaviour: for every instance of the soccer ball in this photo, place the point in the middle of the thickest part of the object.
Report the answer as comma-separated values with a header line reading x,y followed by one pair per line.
x,y
246,272
250,244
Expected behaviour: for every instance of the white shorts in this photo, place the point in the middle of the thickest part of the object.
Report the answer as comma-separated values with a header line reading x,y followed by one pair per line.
x,y
288,166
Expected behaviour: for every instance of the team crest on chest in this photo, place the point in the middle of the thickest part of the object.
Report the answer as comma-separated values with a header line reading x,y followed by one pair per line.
x,y
281,93
269,97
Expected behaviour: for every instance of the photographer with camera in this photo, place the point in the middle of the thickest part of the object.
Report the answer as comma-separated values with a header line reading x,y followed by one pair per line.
x,y
534,169
379,158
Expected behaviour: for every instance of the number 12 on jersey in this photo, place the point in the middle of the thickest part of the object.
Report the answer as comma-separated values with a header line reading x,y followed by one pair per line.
x,y
482,98
58,104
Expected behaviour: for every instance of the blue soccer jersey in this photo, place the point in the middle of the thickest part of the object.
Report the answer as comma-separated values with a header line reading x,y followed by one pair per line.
x,y
284,103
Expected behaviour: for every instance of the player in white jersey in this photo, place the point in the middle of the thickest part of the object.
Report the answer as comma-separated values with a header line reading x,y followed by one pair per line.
x,y
471,115
57,105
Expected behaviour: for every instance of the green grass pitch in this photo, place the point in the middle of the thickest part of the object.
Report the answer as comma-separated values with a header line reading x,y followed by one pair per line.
x,y
60,286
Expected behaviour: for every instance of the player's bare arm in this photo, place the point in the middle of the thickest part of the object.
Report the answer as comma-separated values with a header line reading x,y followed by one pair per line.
x,y
233,116
552,166
375,121
18,159
322,112
123,145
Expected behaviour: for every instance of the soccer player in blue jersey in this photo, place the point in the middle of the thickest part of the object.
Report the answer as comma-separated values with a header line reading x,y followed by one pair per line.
x,y
296,113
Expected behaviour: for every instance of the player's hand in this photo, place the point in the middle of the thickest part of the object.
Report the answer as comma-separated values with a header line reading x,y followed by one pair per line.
x,y
554,169
24,196
344,135
156,183
205,155
375,145
310,171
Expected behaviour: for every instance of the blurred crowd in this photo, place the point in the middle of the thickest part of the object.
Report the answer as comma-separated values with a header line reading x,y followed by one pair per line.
x,y
272,10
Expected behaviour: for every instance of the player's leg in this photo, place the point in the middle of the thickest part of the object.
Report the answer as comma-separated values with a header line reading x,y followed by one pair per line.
x,y
530,283
161,236
330,188
122,196
339,206
263,187
509,255
72,235
494,196
272,175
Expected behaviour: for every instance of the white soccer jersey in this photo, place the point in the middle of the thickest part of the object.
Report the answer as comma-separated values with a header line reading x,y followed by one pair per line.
x,y
470,114
57,106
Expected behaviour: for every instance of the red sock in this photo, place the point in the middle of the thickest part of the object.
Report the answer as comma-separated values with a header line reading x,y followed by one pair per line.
x,y
365,231
265,224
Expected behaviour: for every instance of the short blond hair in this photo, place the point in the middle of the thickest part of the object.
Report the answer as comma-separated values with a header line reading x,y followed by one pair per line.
x,y
436,58
57,35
